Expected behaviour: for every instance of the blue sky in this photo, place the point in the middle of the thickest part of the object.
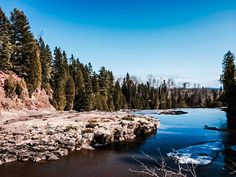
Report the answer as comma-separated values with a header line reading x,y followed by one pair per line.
x,y
182,39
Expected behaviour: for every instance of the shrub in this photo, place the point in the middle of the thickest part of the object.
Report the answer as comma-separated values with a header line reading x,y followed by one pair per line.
x,y
70,127
129,118
10,86
87,130
91,124
19,88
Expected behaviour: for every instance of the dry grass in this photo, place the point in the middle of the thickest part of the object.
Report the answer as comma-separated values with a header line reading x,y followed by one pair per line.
x,y
128,117
91,124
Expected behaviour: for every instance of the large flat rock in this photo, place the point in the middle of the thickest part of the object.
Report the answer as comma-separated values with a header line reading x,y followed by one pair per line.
x,y
48,135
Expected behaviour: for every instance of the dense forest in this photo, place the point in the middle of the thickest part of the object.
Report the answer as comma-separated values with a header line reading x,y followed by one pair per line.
x,y
76,86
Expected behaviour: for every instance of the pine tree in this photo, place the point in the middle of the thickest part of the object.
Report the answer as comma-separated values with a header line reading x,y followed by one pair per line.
x,y
96,92
6,48
59,80
46,64
104,82
5,53
34,77
127,86
118,97
26,57
104,87
20,36
65,64
95,84
228,73
76,70
5,24
72,67
70,94
80,96
89,101
110,101
228,79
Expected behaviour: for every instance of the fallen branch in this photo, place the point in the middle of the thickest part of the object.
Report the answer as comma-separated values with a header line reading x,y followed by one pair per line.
x,y
161,169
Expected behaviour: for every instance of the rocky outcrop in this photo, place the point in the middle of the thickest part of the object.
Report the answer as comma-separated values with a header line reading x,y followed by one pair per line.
x,y
49,136
39,99
173,112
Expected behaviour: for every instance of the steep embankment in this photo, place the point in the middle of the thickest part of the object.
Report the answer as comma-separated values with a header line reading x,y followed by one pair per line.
x,y
49,136
17,99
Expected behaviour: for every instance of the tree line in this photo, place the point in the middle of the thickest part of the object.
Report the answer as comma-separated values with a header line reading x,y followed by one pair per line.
x,y
76,86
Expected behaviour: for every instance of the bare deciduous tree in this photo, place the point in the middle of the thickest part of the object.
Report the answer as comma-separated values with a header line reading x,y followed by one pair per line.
x,y
161,169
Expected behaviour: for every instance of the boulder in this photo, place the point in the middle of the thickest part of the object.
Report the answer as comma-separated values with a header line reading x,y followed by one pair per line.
x,y
118,135
10,158
51,156
38,157
24,156
102,137
87,139
62,152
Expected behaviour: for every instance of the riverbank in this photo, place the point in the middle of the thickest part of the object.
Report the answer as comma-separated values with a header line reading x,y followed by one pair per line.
x,y
49,135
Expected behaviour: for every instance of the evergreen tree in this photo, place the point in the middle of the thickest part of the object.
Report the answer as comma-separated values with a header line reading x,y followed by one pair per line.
x,y
126,89
34,77
163,93
104,82
5,24
110,102
26,57
80,96
96,92
70,94
65,64
59,80
118,97
46,64
104,87
6,48
72,67
228,79
88,101
76,70
228,73
95,84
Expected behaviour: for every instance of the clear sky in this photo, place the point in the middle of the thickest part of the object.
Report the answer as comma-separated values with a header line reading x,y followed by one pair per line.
x,y
182,39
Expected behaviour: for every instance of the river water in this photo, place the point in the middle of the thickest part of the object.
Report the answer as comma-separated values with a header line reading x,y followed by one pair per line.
x,y
178,132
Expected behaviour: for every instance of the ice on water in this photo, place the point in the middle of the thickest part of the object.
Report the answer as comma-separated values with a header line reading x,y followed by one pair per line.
x,y
201,154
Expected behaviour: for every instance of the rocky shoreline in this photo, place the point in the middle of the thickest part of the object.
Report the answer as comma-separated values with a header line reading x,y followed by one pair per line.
x,y
43,136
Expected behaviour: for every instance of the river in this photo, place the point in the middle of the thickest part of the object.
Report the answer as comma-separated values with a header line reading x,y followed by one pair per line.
x,y
176,132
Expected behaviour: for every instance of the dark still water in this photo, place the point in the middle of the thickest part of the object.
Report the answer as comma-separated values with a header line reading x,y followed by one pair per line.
x,y
176,132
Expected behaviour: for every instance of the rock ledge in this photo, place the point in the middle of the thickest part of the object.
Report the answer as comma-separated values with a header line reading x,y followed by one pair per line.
x,y
38,136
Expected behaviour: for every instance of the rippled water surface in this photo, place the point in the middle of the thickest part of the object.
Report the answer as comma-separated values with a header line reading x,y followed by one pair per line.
x,y
177,132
